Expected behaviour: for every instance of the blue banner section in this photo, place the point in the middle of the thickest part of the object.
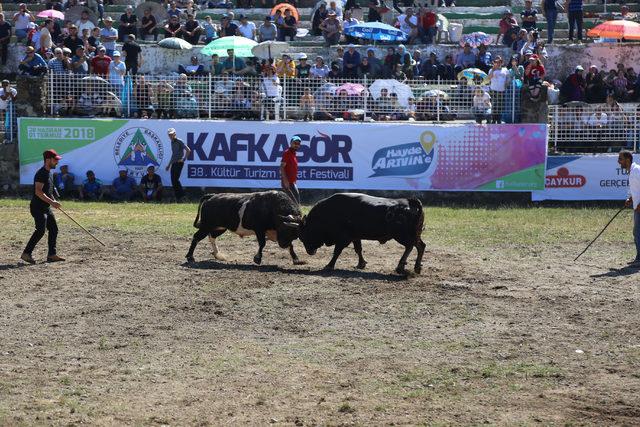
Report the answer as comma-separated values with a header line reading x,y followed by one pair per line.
x,y
305,173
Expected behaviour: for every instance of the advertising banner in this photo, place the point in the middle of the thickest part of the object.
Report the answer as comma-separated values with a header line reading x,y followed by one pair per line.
x,y
592,177
340,155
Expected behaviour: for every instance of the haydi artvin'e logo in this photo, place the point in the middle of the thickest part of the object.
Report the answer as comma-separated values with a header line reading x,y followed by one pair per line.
x,y
136,148
405,160
563,179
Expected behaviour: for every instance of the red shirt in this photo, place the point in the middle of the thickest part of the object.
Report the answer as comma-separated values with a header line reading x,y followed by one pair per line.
x,y
100,65
290,165
429,19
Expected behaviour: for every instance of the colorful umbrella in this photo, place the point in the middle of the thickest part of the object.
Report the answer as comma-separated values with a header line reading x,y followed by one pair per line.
x,y
284,6
436,93
627,30
175,43
351,88
269,49
476,39
51,13
472,74
241,46
376,31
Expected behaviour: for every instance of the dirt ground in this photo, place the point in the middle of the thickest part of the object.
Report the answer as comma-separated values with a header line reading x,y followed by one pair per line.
x,y
133,335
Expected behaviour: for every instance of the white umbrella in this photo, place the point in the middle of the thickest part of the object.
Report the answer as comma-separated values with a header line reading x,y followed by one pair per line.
x,y
393,86
269,49
175,43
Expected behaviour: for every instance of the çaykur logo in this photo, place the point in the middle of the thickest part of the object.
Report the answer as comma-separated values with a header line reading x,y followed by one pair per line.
x,y
563,179
414,158
136,148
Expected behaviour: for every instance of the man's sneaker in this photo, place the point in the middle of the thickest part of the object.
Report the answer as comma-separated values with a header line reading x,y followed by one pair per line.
x,y
54,258
27,258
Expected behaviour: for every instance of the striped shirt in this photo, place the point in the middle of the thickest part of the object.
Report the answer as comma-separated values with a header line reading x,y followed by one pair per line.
x,y
57,66
575,6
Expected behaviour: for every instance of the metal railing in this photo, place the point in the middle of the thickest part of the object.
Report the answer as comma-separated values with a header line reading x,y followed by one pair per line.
x,y
259,97
582,127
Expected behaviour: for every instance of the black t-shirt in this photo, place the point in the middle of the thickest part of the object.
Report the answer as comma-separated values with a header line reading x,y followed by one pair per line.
x,y
303,71
73,43
527,14
93,41
373,14
174,26
230,30
145,21
133,51
149,184
191,25
128,19
44,176
5,30
290,21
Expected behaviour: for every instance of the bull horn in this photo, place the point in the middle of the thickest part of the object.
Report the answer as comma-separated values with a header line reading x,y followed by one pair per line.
x,y
293,225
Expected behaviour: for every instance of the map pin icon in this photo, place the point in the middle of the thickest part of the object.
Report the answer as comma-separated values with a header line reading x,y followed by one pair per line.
x,y
427,141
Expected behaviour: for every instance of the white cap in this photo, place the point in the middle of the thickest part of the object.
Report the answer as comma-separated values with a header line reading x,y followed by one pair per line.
x,y
171,131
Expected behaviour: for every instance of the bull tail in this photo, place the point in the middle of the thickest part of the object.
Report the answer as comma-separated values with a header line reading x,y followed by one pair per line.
x,y
196,223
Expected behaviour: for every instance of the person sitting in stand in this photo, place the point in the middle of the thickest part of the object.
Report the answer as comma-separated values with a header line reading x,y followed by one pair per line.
x,y
465,59
246,29
481,105
267,31
318,18
91,188
124,187
529,16
193,69
64,182
192,30
289,27
173,28
32,64
128,23
151,185
232,64
331,29
210,30
303,69
285,67
149,26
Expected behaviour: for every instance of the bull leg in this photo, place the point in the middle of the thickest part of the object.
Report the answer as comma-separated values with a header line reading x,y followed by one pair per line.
x,y
403,260
199,235
357,246
294,256
337,250
420,246
214,245
260,235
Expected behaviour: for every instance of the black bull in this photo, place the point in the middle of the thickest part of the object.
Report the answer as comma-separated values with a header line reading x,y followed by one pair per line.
x,y
350,217
269,214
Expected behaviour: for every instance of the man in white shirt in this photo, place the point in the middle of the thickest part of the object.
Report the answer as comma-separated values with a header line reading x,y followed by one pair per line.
x,y
247,28
409,24
625,160
84,22
498,77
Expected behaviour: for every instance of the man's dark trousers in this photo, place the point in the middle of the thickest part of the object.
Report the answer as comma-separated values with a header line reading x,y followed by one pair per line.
x,y
45,220
176,170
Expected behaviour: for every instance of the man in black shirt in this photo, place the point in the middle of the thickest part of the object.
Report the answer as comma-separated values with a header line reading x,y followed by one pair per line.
x,y
72,41
151,185
227,28
149,25
5,38
179,153
128,22
132,54
40,208
192,30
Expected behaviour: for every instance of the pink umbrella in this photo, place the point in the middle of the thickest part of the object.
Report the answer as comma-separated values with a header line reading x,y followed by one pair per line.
x,y
51,13
351,88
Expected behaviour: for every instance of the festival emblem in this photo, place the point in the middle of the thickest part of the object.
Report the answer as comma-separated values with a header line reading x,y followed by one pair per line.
x,y
137,148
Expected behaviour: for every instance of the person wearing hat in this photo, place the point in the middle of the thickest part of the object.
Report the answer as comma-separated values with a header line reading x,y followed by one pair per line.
x,y
108,36
80,62
173,28
32,64
192,30
574,86
117,70
151,185
128,22
100,63
58,65
289,170
40,208
534,67
506,24
268,30
303,69
193,69
247,28
228,28
331,29
179,153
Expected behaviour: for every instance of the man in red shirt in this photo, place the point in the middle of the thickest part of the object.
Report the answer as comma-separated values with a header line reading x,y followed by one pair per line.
x,y
289,170
428,25
100,63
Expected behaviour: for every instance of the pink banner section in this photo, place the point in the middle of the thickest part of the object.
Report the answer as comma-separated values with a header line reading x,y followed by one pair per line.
x,y
481,155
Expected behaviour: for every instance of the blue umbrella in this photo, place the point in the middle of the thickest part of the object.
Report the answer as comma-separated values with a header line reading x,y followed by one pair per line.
x,y
376,31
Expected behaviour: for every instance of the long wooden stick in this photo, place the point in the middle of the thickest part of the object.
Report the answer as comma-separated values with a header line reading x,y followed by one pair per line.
x,y
605,227
84,229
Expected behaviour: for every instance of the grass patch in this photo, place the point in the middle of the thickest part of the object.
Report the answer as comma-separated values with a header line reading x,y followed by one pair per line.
x,y
457,227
